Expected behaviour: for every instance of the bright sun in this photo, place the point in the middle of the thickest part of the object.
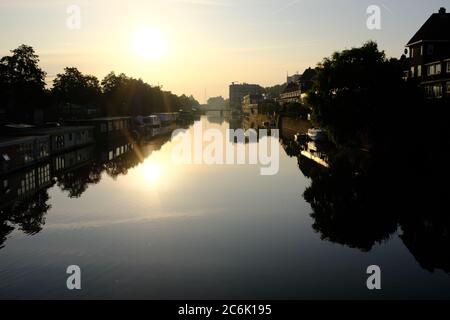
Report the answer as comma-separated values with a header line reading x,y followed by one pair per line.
x,y
149,43
152,172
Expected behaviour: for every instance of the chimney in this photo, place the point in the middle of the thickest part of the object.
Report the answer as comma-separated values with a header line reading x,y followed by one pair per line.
x,y
442,10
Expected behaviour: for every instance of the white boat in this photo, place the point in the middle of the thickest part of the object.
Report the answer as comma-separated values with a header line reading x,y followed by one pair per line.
x,y
316,134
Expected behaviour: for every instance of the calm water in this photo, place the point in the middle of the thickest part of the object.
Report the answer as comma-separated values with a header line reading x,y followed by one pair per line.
x,y
142,227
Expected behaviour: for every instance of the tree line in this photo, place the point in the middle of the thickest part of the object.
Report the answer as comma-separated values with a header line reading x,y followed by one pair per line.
x,y
23,91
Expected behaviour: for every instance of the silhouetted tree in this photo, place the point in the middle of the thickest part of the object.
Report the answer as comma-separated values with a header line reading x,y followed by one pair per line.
x,y
22,84
73,87
360,96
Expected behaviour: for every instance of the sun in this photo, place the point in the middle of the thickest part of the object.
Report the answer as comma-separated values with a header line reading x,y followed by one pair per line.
x,y
149,43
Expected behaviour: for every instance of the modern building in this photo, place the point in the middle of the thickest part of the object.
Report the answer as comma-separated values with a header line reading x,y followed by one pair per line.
x,y
239,91
429,55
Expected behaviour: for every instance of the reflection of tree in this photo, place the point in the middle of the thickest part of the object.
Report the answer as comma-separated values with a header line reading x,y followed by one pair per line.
x,y
290,147
5,230
362,199
121,165
346,206
77,181
30,213
428,238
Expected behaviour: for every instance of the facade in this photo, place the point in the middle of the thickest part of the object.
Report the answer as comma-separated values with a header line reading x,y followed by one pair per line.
x,y
66,137
239,91
251,103
107,127
291,94
429,55
20,152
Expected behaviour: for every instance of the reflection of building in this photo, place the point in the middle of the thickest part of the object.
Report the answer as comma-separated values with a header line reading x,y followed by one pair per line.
x,y
238,91
429,55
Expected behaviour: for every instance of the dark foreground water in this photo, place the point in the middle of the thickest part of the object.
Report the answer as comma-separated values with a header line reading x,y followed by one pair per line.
x,y
142,227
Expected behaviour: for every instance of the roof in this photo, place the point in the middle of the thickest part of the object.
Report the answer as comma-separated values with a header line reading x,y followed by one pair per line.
x,y
98,119
292,87
436,28
7,141
60,129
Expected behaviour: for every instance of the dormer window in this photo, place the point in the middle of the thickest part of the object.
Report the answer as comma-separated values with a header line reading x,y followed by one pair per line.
x,y
430,49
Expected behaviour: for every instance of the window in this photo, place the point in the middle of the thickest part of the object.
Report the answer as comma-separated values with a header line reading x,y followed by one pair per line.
x,y
448,87
110,126
419,71
434,69
448,66
27,151
412,72
59,142
103,127
434,91
43,174
430,49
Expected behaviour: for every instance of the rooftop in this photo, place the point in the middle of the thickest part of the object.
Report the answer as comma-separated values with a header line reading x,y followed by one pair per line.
x,y
436,28
100,119
7,141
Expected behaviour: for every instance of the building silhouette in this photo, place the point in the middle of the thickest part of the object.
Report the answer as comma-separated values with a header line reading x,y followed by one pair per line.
x,y
429,55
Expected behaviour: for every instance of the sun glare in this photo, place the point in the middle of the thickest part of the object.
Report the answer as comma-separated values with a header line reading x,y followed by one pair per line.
x,y
149,43
152,172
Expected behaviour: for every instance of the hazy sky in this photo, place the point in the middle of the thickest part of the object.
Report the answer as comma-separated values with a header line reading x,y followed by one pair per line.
x,y
203,45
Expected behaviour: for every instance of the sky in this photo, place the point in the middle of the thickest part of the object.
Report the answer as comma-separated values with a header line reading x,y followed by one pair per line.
x,y
200,46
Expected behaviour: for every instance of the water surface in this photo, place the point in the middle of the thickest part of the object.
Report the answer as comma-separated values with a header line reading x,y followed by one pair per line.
x,y
142,227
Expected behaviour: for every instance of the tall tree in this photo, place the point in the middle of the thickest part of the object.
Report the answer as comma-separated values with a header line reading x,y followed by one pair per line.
x,y
360,97
22,83
75,88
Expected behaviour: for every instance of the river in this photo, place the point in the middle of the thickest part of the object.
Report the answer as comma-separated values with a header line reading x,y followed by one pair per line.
x,y
140,226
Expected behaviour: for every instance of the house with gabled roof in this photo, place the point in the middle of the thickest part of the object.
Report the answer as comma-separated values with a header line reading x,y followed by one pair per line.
x,y
429,55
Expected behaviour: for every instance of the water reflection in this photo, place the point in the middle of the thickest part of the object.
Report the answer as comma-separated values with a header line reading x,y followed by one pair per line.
x,y
361,199
358,200
24,196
